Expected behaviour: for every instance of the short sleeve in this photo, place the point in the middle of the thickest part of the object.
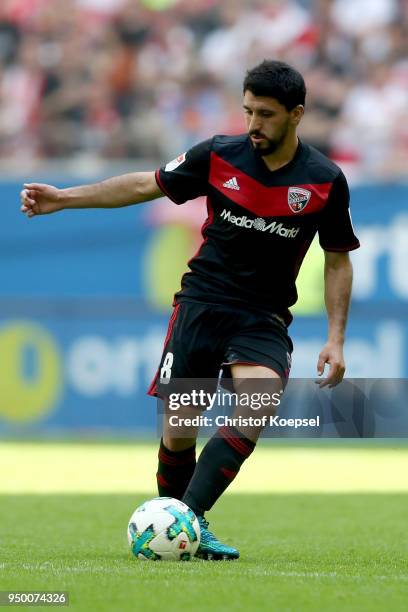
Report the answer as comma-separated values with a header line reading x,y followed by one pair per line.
x,y
335,228
186,177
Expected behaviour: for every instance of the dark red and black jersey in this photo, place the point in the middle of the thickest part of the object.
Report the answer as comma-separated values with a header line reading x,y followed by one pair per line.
x,y
260,223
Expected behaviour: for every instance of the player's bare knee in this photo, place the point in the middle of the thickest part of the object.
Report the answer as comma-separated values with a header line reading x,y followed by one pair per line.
x,y
260,389
177,444
180,428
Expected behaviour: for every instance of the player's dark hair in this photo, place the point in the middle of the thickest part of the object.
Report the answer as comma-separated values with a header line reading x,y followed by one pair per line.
x,y
277,80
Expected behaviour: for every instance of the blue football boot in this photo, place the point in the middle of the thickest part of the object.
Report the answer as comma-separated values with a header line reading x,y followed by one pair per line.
x,y
212,549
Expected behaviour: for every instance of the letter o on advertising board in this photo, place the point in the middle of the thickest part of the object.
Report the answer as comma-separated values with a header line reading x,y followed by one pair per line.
x,y
30,372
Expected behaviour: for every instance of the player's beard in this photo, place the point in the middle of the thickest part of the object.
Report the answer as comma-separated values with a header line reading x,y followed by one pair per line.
x,y
273,144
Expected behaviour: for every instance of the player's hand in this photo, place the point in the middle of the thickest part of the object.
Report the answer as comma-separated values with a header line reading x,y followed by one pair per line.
x,y
40,199
332,354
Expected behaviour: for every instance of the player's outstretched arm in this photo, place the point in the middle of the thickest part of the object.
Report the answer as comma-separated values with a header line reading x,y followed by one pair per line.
x,y
338,277
124,190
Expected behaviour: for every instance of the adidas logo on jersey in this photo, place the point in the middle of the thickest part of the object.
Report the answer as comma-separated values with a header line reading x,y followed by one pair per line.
x,y
232,183
261,225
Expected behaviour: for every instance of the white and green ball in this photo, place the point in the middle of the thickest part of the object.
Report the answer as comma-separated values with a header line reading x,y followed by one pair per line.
x,y
163,528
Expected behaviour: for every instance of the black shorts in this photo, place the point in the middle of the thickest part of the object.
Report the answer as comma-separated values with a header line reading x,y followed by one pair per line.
x,y
203,339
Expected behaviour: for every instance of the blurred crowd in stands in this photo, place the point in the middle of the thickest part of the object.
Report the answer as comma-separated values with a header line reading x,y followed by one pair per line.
x,y
119,79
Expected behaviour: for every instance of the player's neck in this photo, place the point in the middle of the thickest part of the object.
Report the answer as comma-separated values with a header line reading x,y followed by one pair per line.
x,y
283,155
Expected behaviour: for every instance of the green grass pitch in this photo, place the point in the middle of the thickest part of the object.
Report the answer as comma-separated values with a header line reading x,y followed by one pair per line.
x,y
300,551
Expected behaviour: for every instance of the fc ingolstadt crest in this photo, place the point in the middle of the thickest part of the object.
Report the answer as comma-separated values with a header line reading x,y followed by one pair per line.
x,y
298,198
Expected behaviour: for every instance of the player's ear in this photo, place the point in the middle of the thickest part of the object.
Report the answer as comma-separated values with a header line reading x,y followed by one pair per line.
x,y
297,114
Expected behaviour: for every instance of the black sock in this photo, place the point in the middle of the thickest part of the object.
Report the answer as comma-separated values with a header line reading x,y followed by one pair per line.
x,y
217,466
175,470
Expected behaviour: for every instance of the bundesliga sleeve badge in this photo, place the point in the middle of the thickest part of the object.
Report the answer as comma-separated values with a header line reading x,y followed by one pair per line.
x,y
175,163
298,198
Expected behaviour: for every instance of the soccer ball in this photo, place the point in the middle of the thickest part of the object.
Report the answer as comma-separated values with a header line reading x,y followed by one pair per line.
x,y
163,528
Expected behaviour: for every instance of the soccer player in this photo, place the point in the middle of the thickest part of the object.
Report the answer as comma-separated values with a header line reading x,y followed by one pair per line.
x,y
268,194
